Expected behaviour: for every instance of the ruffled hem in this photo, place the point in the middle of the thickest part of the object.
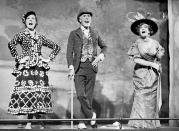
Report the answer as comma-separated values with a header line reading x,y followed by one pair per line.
x,y
29,111
18,69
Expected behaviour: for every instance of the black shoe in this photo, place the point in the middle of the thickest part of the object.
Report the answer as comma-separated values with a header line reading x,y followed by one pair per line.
x,y
94,126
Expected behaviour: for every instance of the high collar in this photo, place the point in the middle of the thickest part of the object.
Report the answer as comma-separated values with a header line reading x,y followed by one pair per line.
x,y
27,32
80,34
147,39
83,28
85,31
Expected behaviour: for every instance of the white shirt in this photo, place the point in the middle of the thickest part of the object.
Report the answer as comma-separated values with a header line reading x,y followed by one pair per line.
x,y
85,31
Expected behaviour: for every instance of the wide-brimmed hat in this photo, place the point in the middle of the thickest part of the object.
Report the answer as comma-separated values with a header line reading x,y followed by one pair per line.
x,y
151,23
83,11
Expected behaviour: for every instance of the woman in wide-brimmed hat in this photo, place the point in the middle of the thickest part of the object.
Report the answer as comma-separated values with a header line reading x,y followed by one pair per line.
x,y
31,94
146,54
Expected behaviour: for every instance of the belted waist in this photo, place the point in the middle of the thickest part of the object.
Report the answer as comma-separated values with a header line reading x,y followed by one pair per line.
x,y
137,66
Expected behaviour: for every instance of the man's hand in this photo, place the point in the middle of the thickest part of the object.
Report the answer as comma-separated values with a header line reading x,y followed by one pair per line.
x,y
71,72
99,58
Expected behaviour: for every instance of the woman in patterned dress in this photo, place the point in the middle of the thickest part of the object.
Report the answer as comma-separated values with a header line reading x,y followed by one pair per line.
x,y
31,94
146,54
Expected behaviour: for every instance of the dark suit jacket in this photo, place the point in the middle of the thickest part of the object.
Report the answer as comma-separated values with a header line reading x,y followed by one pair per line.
x,y
74,47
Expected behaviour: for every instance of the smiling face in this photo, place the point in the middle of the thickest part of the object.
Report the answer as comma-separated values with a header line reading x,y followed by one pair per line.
x,y
144,30
85,20
31,22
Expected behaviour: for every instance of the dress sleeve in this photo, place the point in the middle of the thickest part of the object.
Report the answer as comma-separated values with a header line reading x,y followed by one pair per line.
x,y
160,52
133,52
50,44
12,47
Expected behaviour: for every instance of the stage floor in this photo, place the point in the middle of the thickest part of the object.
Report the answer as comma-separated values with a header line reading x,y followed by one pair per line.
x,y
106,127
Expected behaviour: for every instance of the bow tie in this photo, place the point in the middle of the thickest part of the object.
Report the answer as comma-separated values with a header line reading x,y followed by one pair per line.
x,y
86,33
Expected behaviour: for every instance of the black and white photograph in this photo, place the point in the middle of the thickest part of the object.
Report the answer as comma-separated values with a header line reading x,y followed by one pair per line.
x,y
89,65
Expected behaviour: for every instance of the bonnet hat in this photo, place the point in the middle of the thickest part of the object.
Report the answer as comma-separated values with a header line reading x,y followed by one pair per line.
x,y
139,18
83,11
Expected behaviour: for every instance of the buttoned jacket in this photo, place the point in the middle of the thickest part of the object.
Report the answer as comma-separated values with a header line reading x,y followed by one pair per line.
x,y
75,43
25,41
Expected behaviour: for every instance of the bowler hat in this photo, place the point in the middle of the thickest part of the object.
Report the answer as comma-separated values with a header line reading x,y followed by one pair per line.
x,y
151,23
83,11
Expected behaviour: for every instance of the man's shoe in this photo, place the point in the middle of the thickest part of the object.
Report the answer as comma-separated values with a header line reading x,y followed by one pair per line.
x,y
94,126
28,126
117,125
93,122
42,127
81,126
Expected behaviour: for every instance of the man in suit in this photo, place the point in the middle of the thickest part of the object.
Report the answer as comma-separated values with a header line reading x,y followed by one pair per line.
x,y
83,59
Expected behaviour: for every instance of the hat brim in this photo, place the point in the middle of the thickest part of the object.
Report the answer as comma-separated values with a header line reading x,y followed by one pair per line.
x,y
87,12
149,22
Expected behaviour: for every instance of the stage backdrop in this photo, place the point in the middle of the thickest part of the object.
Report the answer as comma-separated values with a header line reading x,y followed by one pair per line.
x,y
56,18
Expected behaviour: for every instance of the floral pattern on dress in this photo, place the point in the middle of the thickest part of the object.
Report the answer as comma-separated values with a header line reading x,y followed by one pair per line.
x,y
31,93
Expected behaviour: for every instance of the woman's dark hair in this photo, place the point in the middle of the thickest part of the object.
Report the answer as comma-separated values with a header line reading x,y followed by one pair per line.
x,y
24,17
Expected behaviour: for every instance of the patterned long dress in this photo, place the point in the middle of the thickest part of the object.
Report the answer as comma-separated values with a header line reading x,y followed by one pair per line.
x,y
146,84
31,93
